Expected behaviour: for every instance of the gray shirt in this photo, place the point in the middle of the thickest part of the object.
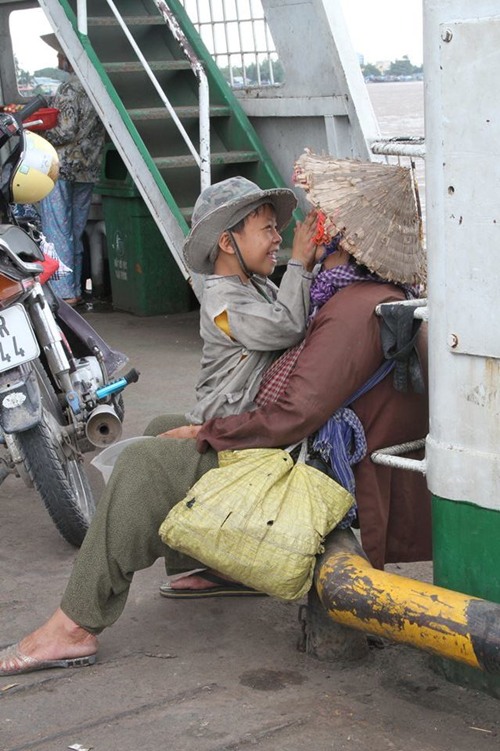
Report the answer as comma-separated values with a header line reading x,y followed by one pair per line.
x,y
79,134
243,330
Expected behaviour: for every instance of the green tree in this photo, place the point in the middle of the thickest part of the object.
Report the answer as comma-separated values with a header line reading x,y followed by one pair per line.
x,y
23,76
55,73
251,72
402,67
278,71
370,70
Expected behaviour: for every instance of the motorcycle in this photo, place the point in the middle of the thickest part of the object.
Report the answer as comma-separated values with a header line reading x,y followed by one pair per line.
x,y
58,399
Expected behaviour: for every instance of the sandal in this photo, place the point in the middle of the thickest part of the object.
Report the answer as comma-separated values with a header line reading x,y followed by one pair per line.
x,y
222,588
14,662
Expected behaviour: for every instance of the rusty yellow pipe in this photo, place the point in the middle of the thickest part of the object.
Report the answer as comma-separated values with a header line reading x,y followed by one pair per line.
x,y
434,619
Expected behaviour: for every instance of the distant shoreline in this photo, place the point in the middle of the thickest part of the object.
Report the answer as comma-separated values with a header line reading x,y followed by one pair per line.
x,y
393,79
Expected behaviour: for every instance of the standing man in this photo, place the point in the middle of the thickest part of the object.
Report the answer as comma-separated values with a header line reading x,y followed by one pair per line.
x,y
78,139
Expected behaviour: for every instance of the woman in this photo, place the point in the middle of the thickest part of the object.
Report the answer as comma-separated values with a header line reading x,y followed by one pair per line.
x,y
341,352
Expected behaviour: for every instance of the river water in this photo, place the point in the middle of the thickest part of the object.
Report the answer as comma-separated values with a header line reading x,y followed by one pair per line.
x,y
399,108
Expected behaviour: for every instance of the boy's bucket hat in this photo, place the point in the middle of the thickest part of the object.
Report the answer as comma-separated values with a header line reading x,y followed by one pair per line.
x,y
221,206
375,208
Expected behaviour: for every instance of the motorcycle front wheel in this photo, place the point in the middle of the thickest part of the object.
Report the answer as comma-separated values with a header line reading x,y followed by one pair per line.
x,y
60,480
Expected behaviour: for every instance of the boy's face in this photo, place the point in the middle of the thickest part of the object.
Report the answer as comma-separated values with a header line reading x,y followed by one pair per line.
x,y
259,241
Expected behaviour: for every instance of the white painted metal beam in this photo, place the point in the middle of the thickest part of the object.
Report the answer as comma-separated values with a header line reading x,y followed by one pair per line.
x,y
462,66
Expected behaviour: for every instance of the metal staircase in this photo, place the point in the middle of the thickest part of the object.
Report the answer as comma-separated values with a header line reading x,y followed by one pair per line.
x,y
174,123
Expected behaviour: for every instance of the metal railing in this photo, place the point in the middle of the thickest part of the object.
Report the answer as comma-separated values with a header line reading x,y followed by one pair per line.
x,y
410,146
391,456
419,304
203,157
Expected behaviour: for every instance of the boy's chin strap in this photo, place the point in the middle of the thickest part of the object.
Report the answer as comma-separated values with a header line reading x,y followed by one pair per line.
x,y
245,269
238,255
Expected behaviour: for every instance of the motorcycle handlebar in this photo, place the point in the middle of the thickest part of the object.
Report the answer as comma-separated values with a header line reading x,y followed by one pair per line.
x,y
116,386
38,102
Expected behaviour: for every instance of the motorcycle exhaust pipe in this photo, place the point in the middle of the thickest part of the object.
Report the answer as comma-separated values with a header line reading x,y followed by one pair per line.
x,y
103,426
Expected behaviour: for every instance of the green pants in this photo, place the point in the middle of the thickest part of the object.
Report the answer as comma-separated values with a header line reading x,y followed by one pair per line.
x,y
148,479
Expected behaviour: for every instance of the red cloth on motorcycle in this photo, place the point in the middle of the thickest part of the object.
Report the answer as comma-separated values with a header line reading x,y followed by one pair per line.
x,y
50,266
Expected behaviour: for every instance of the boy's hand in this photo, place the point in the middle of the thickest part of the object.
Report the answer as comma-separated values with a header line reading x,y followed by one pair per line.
x,y
304,246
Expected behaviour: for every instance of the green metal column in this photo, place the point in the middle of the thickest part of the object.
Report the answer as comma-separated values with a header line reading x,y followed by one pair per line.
x,y
466,548
466,559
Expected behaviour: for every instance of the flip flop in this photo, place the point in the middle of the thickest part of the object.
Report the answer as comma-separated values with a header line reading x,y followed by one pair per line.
x,y
223,588
16,663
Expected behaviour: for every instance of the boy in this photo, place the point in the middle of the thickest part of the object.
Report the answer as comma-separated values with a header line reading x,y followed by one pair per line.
x,y
245,320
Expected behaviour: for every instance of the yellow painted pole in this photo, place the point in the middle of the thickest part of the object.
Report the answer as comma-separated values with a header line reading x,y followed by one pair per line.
x,y
437,620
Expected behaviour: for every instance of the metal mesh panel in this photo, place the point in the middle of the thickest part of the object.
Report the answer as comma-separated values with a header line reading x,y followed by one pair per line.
x,y
237,35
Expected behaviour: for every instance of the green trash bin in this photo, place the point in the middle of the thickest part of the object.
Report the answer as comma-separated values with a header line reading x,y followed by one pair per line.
x,y
145,279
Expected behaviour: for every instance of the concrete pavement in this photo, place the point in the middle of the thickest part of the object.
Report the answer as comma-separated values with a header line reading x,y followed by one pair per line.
x,y
203,675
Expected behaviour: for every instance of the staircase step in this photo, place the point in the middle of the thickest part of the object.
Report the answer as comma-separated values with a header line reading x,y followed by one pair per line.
x,y
129,20
155,65
161,113
224,157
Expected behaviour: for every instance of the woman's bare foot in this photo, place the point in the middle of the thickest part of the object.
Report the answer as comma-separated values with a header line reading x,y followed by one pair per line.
x,y
203,580
59,638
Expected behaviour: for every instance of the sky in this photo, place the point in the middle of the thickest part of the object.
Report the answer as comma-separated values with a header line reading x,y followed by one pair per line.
x,y
32,53
385,29
379,30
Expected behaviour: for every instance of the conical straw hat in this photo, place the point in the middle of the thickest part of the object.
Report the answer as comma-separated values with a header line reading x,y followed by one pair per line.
x,y
374,206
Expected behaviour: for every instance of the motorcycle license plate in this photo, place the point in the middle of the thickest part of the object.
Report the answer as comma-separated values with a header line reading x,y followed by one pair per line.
x,y
17,340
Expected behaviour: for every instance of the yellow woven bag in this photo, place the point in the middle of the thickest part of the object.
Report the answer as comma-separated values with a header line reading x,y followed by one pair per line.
x,y
259,518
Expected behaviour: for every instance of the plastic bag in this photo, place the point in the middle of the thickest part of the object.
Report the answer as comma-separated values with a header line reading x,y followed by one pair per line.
x,y
50,252
260,519
105,461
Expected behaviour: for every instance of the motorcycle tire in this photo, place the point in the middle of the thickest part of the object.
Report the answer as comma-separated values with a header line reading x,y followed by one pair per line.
x,y
60,480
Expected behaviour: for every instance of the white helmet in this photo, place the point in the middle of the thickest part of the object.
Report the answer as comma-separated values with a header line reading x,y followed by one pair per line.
x,y
29,164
